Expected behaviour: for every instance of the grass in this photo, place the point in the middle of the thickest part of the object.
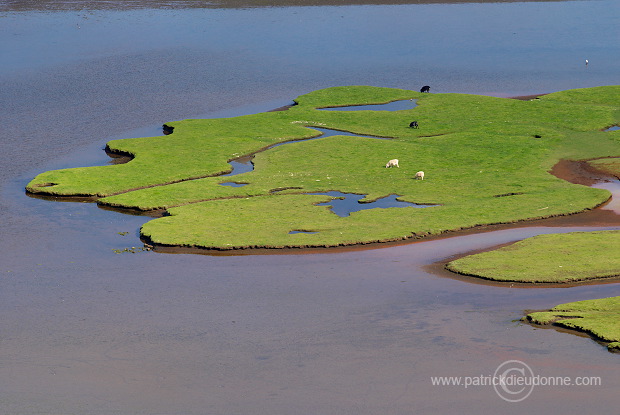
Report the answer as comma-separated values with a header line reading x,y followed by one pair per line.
x,y
486,161
611,166
599,318
553,258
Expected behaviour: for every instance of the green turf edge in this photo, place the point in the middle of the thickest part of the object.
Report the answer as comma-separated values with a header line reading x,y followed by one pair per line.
x,y
600,318
552,258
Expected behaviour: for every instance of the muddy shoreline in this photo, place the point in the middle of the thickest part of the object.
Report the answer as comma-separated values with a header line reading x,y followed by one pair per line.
x,y
580,172
440,269
574,171
594,217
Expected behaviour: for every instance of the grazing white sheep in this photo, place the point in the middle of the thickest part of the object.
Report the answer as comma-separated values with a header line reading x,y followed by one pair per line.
x,y
392,163
419,175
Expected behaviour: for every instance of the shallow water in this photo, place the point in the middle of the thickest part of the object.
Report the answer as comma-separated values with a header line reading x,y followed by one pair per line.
x,y
239,166
614,187
344,204
391,106
86,330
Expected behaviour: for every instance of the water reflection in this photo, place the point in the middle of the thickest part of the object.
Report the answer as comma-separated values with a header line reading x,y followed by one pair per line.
x,y
614,187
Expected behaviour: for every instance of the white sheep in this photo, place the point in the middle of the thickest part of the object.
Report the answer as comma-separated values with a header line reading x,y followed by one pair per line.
x,y
392,163
419,175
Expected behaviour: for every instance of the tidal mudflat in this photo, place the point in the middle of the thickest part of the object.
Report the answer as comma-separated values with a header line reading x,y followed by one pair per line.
x,y
85,330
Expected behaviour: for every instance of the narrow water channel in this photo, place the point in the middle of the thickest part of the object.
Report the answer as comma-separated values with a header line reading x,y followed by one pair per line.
x,y
244,164
407,104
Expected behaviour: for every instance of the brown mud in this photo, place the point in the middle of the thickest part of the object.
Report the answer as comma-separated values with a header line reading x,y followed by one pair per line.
x,y
580,172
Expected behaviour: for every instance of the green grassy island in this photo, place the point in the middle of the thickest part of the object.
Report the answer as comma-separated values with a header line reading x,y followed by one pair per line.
x,y
554,258
598,318
486,161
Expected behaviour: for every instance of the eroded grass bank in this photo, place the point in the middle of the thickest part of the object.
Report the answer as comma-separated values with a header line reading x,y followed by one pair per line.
x,y
598,318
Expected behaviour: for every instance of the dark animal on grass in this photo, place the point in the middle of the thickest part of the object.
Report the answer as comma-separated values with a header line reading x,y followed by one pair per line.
x,y
413,124
425,88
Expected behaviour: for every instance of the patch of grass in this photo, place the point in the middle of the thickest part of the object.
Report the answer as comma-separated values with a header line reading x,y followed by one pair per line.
x,y
599,318
473,150
340,96
554,258
198,148
610,166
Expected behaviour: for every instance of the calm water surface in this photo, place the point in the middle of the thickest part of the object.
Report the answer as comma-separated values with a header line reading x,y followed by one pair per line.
x,y
88,331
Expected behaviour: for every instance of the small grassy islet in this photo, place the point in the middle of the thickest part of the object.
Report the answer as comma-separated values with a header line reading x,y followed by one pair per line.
x,y
598,318
553,258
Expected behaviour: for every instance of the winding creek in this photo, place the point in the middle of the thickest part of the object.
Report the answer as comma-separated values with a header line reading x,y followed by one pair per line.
x,y
400,105
244,164
342,204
